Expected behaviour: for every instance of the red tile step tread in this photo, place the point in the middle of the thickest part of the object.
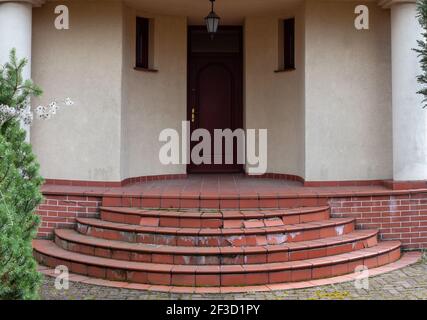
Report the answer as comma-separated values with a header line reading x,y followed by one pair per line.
x,y
72,241
210,237
213,219
49,254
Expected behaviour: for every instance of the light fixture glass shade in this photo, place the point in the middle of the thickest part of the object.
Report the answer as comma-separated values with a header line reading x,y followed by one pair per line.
x,y
212,22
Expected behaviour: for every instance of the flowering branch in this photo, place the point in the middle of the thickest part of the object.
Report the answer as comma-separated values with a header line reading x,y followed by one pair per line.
x,y
46,112
15,94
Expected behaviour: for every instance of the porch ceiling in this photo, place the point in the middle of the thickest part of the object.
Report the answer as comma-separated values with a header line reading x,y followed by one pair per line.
x,y
231,11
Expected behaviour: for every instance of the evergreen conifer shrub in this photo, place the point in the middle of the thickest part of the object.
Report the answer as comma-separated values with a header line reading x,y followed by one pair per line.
x,y
20,184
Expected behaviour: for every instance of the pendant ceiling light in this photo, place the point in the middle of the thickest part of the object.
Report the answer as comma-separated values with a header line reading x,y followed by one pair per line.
x,y
212,21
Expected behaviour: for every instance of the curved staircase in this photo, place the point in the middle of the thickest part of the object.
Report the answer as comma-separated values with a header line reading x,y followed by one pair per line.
x,y
215,248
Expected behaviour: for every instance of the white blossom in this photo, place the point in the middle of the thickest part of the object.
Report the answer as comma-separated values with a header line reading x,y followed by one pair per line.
x,y
53,107
68,102
40,110
42,113
27,116
24,105
24,112
7,111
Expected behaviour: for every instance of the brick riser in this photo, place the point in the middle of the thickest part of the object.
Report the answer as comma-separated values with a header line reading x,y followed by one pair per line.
x,y
199,237
226,219
211,249
242,202
71,241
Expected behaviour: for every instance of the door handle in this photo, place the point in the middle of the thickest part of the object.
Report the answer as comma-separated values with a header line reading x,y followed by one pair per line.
x,y
193,115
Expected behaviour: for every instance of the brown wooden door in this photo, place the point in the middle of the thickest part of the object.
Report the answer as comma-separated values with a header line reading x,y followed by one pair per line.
x,y
215,90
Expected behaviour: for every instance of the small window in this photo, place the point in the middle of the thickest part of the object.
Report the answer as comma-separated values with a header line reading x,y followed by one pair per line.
x,y
288,44
142,42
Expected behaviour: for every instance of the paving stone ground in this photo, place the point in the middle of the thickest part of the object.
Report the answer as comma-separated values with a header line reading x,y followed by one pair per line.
x,y
409,283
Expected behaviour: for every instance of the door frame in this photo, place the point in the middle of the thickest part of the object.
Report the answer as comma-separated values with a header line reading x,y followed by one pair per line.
x,y
240,91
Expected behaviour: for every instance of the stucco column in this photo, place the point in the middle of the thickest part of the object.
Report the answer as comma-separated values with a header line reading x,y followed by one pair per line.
x,y
16,31
409,118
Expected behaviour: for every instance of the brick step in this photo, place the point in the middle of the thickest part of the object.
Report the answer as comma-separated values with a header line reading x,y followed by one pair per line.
x,y
206,237
213,219
49,254
72,241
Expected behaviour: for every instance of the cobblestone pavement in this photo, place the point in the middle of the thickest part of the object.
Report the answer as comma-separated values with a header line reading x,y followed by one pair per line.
x,y
409,283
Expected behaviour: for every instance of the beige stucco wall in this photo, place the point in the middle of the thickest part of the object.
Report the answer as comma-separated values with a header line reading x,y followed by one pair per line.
x,y
111,133
275,101
84,63
328,120
348,93
153,101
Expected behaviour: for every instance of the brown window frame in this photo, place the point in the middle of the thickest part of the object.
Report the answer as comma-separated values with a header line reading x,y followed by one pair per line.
x,y
142,42
289,44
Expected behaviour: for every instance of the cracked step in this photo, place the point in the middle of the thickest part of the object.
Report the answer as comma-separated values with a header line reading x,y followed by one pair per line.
x,y
209,237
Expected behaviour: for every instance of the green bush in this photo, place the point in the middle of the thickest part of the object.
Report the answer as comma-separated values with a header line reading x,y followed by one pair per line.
x,y
19,191
422,48
19,196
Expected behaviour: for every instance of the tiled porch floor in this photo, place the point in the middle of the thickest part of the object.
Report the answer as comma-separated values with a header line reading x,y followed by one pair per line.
x,y
224,185
232,184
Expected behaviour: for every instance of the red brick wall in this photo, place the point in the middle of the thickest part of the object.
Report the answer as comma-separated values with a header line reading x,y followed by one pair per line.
x,y
62,211
399,217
